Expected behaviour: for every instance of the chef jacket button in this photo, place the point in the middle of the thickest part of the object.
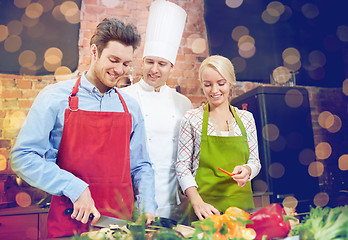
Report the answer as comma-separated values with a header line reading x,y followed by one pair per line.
x,y
90,93
173,139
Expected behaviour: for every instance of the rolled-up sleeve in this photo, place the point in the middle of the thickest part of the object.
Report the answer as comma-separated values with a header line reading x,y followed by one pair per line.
x,y
33,156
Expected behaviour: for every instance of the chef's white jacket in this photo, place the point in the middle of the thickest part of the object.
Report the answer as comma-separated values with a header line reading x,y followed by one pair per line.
x,y
163,112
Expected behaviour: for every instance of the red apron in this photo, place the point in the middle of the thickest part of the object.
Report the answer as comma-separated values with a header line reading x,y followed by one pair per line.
x,y
95,148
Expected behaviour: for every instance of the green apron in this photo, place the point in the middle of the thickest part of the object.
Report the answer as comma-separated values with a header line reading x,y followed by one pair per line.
x,y
214,186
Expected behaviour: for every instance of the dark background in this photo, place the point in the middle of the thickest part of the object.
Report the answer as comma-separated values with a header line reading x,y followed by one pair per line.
x,y
59,34
292,30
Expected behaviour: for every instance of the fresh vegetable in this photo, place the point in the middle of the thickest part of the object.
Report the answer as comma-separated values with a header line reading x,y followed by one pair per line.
x,y
235,212
324,223
228,226
270,221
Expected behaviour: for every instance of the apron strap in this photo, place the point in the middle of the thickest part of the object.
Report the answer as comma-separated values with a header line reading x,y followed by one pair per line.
x,y
205,122
206,117
122,101
239,122
73,99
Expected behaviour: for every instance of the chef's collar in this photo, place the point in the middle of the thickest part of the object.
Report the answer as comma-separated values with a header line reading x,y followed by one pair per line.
x,y
149,88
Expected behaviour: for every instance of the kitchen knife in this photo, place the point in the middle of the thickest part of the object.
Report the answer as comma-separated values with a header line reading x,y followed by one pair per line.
x,y
104,221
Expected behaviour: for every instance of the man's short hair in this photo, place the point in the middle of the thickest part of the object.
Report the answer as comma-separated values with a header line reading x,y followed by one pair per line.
x,y
113,29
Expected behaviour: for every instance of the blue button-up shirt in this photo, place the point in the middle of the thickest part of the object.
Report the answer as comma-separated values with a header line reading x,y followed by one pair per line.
x,y
34,154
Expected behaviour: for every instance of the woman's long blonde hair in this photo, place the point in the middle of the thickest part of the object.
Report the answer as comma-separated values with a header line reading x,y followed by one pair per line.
x,y
222,65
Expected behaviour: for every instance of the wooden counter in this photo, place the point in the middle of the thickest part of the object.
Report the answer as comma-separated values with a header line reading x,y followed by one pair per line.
x,y
23,223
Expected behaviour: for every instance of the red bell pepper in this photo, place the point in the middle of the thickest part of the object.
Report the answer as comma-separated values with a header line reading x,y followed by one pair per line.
x,y
271,221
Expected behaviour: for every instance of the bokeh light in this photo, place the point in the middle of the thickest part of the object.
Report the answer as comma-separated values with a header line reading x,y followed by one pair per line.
x,y
13,43
270,132
199,45
46,4
15,27
275,8
239,64
23,199
21,3
14,120
306,156
293,67
343,162
281,75
34,10
246,45
57,14
269,19
326,119
342,33
111,3
62,73
53,56
323,150
260,186
321,199
68,7
3,32
239,32
336,126
293,98
317,58
291,56
27,58
51,67
29,22
75,18
276,170
316,169
310,10
233,3
3,162
71,11
344,84
290,202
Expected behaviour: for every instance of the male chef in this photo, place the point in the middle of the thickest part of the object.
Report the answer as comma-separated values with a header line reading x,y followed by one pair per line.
x,y
84,142
162,107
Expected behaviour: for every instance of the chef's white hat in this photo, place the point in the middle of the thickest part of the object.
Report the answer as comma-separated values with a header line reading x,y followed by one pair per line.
x,y
164,30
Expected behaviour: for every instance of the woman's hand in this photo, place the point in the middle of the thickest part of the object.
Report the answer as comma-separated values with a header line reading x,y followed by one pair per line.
x,y
241,175
201,208
204,210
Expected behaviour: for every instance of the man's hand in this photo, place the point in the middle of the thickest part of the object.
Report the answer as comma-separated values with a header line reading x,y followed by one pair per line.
x,y
83,207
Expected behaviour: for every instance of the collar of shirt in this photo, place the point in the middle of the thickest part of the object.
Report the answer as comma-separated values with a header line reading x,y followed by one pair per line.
x,y
85,84
148,88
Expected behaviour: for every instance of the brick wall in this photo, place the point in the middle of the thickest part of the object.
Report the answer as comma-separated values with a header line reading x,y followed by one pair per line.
x,y
18,92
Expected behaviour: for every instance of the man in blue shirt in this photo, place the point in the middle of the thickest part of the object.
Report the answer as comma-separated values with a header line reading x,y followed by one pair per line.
x,y
84,142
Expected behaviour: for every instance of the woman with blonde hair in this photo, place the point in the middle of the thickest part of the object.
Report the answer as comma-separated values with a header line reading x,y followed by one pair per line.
x,y
214,136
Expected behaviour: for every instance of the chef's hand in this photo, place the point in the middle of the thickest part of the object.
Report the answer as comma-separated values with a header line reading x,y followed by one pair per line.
x,y
83,207
242,174
201,208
